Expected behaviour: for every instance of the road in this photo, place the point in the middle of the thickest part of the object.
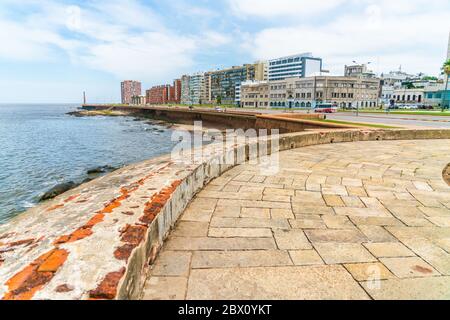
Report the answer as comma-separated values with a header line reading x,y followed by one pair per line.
x,y
435,122
406,120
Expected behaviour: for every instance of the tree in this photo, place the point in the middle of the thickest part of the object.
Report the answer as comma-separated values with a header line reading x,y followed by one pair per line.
x,y
219,99
446,71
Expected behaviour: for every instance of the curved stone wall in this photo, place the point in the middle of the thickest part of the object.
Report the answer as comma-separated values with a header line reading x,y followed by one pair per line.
x,y
96,241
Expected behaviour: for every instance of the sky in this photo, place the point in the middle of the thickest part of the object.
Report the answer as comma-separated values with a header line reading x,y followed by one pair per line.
x,y
53,50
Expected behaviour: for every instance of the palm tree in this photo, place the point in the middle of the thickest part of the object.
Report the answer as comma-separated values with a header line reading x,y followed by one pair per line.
x,y
446,71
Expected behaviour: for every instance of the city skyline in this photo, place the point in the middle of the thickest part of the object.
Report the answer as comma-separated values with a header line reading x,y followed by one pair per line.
x,y
57,50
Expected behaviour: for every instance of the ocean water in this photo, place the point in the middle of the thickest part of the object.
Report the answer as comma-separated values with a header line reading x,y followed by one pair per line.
x,y
41,146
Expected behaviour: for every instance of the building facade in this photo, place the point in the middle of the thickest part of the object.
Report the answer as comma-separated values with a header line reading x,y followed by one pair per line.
x,y
185,99
175,92
223,83
255,94
164,94
345,92
138,100
157,95
359,70
408,96
299,66
436,96
197,88
130,89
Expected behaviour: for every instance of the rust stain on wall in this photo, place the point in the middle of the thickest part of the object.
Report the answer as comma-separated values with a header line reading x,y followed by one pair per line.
x,y
107,289
155,205
35,276
25,284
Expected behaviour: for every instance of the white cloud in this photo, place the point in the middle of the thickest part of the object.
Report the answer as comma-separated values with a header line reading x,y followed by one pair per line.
x,y
272,8
128,40
379,32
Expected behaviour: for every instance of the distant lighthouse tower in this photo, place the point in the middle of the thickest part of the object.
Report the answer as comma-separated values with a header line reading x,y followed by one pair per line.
x,y
84,97
448,49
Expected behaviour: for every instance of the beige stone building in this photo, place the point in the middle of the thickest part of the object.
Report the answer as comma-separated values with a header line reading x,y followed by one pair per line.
x,y
255,94
345,92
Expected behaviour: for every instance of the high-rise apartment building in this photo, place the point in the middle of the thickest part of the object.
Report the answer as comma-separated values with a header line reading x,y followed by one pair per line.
x,y
185,98
130,89
300,65
223,83
197,88
164,94
157,95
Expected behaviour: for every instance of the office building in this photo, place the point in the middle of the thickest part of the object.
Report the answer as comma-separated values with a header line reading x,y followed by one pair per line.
x,y
299,66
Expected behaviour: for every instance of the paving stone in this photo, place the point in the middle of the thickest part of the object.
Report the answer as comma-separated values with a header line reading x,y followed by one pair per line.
x,y
165,288
305,257
230,188
338,236
240,233
249,223
409,267
275,198
362,212
369,271
415,222
333,201
281,283
281,214
337,253
440,221
337,222
334,190
389,250
353,202
242,259
171,263
291,240
279,192
433,288
299,208
307,223
227,212
190,244
377,234
356,191
191,229
257,213
420,185
432,253
403,196
435,212
350,182
253,204
376,221
258,179
372,203
331,180
231,195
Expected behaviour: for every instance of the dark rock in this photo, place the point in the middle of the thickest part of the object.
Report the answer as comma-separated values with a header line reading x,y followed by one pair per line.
x,y
100,170
57,190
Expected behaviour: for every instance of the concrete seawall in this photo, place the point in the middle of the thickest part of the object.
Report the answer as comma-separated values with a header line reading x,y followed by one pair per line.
x,y
97,241
286,123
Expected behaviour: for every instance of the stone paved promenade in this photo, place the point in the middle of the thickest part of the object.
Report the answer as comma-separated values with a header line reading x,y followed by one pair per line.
x,y
334,220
